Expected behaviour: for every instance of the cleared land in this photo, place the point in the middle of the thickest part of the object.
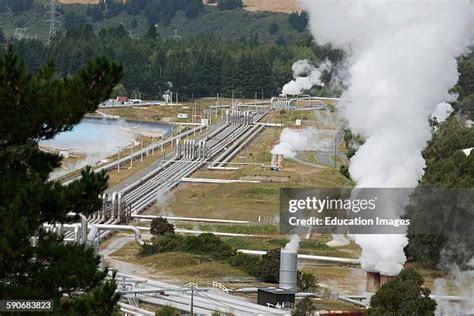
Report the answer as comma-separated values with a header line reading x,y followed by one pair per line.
x,y
284,6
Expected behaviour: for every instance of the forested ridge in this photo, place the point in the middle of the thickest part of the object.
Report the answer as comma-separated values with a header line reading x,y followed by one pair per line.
x,y
185,18
192,67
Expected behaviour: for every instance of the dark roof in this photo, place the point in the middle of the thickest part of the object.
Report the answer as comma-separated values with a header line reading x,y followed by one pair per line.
x,y
275,290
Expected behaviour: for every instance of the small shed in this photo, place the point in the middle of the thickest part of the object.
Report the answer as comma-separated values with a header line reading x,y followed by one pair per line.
x,y
275,297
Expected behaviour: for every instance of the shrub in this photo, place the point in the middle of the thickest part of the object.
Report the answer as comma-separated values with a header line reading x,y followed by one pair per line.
x,y
160,244
306,282
245,262
304,307
269,267
207,244
403,295
160,226
167,311
344,170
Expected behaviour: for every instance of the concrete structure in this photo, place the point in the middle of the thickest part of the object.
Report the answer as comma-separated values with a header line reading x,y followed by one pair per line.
x,y
375,280
372,282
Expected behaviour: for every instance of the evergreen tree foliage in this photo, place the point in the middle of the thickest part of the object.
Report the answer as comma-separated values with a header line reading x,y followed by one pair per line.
x,y
446,167
466,106
403,296
299,21
2,37
152,33
273,28
37,107
133,23
465,84
199,67
229,4
73,20
16,5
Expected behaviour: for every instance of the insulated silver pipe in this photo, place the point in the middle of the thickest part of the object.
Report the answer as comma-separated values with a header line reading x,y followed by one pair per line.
x,y
133,229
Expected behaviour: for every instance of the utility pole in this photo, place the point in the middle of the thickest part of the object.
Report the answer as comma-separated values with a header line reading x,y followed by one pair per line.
x,y
335,152
217,103
141,155
192,300
118,159
153,146
131,155
255,101
53,20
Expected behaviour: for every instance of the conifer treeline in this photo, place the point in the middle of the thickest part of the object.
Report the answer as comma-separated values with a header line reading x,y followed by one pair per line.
x,y
199,67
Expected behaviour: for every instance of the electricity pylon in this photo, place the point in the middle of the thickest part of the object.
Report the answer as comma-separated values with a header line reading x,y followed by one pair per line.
x,y
53,20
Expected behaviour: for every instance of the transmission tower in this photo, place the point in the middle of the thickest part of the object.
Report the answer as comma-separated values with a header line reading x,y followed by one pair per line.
x,y
53,20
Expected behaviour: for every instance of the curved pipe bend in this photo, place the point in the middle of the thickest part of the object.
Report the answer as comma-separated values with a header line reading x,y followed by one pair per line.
x,y
133,229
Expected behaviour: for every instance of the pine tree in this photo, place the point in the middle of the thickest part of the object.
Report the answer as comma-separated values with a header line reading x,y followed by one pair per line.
x,y
2,37
37,107
152,33
403,295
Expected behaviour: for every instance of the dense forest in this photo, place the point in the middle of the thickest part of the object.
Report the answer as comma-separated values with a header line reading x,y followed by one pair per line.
x,y
228,20
192,67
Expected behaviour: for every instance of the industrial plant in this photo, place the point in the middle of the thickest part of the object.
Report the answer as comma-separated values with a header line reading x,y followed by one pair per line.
x,y
237,157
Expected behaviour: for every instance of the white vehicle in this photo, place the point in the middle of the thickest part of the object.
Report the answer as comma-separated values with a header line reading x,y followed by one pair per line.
x,y
183,116
135,101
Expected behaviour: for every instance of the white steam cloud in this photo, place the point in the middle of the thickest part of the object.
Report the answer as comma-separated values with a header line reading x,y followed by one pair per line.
x,y
462,281
401,60
293,244
305,77
442,112
292,141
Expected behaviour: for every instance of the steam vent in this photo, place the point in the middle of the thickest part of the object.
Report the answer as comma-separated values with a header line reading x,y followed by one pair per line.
x,y
375,280
288,270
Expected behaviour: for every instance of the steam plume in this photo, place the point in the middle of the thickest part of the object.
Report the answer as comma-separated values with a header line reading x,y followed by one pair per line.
x,y
402,63
442,112
292,141
305,77
293,244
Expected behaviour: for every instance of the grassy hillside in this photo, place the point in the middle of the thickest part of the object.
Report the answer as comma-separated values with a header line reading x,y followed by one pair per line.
x,y
228,25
